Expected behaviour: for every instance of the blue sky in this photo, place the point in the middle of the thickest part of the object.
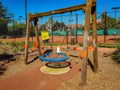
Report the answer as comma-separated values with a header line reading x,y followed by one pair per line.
x,y
33,6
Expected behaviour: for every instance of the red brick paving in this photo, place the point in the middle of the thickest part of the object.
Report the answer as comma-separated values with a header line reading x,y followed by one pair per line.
x,y
36,80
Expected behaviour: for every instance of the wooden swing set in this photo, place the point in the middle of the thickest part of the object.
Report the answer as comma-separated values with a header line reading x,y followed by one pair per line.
x,y
90,10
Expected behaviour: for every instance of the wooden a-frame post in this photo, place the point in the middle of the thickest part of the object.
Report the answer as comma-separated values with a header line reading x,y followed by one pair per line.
x,y
28,34
37,35
27,38
86,40
94,38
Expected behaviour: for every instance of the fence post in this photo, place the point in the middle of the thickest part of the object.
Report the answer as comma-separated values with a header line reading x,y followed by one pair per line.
x,y
37,36
76,27
52,28
105,27
13,29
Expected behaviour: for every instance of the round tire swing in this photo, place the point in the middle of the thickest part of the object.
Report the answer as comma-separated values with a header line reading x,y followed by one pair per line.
x,y
55,62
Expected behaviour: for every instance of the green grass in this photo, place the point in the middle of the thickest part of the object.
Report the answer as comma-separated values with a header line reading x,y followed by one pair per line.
x,y
116,54
104,45
19,46
107,45
54,44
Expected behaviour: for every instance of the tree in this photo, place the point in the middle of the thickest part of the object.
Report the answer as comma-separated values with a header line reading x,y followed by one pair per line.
x,y
53,25
57,26
118,23
119,20
43,27
3,27
4,19
110,22
16,29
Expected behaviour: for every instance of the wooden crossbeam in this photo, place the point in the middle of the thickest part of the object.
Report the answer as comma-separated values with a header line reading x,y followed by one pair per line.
x,y
59,11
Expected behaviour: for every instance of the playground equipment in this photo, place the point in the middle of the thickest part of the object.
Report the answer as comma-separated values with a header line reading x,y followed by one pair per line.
x,y
49,55
90,9
54,59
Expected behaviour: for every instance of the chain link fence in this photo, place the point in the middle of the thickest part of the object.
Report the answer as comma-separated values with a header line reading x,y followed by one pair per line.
x,y
69,28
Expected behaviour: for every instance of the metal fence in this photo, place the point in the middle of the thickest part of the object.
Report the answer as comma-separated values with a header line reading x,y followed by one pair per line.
x,y
66,27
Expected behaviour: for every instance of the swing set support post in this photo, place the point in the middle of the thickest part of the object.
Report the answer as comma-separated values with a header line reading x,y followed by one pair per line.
x,y
37,36
94,38
27,38
86,40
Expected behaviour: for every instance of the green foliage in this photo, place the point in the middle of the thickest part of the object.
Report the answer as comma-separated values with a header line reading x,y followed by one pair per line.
x,y
116,53
102,45
21,48
5,53
4,42
13,44
3,27
16,46
17,29
54,25
4,19
3,36
118,47
111,23
14,49
107,45
59,26
54,44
